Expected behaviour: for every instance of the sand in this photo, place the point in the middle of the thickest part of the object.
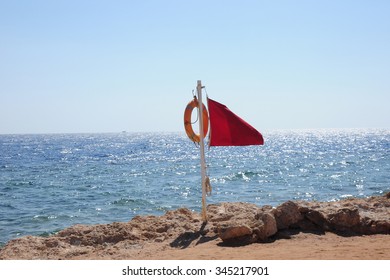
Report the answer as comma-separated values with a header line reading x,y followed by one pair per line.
x,y
302,246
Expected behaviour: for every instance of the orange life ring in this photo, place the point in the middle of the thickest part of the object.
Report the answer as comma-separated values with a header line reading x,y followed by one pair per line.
x,y
188,124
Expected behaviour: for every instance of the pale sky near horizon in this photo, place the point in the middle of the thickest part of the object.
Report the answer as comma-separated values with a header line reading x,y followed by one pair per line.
x,y
109,66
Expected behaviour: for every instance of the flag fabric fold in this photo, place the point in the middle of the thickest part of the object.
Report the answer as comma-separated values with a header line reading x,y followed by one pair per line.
x,y
228,129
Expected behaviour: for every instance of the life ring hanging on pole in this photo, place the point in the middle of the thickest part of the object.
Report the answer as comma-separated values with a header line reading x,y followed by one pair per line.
x,y
188,124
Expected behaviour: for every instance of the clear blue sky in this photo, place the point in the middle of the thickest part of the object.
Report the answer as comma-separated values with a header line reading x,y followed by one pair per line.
x,y
107,66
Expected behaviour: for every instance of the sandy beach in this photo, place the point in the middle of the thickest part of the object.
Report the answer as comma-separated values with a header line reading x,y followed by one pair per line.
x,y
302,246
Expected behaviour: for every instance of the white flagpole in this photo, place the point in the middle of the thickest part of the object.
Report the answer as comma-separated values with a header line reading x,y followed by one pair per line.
x,y
202,156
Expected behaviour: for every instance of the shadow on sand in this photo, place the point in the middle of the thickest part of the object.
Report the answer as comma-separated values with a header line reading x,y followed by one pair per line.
x,y
185,239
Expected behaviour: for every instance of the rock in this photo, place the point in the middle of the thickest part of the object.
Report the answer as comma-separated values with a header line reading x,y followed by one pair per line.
x,y
268,227
230,232
287,214
344,219
222,212
233,221
353,216
242,222
314,219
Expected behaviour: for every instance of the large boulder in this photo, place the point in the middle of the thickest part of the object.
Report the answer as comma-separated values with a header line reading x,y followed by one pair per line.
x,y
352,216
242,222
287,215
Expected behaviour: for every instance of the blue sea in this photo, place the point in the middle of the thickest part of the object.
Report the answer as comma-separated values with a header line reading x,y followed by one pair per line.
x,y
50,182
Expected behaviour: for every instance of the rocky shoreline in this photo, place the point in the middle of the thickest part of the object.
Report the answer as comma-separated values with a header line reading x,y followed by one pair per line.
x,y
229,224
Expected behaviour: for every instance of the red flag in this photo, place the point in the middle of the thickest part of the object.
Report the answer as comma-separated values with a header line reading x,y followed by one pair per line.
x,y
228,129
